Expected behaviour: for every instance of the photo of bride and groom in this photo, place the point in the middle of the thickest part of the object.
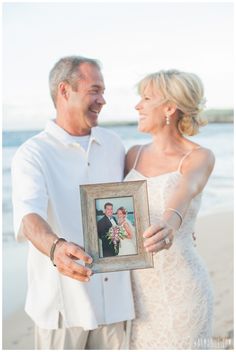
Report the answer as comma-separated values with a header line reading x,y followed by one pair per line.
x,y
116,233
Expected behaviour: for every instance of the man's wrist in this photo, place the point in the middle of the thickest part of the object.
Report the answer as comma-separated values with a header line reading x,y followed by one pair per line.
x,y
52,250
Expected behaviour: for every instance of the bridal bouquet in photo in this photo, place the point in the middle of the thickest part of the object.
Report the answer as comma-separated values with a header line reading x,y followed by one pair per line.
x,y
115,234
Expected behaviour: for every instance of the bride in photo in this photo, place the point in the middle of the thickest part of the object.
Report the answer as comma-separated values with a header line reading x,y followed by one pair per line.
x,y
127,245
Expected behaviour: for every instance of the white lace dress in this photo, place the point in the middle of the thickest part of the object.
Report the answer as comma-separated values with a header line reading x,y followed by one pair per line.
x,y
173,301
128,246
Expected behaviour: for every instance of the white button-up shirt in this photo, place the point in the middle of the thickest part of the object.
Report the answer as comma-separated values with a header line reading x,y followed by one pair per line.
x,y
46,172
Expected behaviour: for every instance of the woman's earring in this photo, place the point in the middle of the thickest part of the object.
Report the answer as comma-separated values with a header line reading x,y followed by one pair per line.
x,y
167,119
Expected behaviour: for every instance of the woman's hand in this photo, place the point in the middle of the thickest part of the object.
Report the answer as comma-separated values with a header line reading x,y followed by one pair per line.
x,y
158,237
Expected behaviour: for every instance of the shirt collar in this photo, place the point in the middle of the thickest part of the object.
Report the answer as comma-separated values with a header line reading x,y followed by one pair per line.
x,y
59,133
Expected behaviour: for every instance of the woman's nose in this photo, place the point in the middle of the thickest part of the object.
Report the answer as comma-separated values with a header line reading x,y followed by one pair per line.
x,y
137,107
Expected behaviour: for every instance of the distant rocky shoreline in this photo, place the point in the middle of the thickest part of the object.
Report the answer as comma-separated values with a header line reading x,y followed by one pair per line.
x,y
211,115
225,116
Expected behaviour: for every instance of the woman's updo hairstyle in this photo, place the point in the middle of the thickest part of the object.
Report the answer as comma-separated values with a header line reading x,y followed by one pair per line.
x,y
185,90
123,210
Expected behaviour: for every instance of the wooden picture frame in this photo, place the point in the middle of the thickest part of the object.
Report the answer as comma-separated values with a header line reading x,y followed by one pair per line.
x,y
131,252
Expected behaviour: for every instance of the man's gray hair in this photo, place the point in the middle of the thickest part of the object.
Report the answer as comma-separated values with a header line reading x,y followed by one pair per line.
x,y
66,70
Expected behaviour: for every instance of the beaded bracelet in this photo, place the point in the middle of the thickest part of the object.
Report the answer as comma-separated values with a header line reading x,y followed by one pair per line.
x,y
176,212
52,250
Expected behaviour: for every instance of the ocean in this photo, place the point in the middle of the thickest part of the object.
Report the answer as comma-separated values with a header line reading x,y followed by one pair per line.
x,y
216,136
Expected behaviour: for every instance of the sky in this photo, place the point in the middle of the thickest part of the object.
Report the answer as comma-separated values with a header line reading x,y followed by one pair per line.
x,y
131,39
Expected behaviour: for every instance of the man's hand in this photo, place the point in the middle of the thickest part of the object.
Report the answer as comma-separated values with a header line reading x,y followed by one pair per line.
x,y
64,258
38,231
158,237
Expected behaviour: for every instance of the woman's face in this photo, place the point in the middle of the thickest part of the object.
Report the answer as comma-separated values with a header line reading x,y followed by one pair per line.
x,y
151,111
120,215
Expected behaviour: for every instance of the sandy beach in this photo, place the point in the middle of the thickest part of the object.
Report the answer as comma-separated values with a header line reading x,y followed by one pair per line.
x,y
215,244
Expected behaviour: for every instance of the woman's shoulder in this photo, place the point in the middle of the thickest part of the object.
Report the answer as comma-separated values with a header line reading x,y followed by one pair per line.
x,y
130,157
134,149
201,157
199,151
204,153
128,221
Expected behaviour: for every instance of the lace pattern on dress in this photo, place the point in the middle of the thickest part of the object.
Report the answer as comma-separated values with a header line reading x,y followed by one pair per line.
x,y
173,300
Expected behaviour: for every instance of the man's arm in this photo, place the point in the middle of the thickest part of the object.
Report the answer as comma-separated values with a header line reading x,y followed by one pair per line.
x,y
39,233
30,204
100,227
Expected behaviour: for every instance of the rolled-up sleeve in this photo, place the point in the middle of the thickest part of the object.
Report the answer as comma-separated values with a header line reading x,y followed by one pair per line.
x,y
29,191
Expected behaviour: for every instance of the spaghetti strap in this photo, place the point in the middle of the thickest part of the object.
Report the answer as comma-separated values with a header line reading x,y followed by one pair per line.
x,y
185,156
137,156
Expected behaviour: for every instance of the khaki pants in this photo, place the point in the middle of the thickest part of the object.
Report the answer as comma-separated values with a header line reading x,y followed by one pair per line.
x,y
105,337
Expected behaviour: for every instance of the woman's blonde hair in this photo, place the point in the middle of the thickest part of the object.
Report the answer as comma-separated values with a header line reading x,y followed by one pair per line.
x,y
185,90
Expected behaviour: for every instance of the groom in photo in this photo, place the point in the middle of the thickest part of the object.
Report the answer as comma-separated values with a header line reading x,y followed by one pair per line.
x,y
103,225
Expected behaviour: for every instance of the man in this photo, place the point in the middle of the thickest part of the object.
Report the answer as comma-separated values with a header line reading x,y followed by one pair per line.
x,y
71,308
103,225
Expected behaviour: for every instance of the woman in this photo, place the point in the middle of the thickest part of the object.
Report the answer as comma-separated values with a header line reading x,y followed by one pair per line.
x,y
127,245
174,299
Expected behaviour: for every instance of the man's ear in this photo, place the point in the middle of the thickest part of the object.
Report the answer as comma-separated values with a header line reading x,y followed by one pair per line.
x,y
63,90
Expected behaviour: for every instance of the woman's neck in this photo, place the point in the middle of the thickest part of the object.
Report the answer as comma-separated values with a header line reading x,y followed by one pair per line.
x,y
167,141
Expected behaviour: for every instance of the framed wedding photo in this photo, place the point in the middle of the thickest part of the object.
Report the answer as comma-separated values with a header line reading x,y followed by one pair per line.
x,y
114,216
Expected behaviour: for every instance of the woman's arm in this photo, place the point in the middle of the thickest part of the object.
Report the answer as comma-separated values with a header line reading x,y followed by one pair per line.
x,y
128,230
130,158
195,173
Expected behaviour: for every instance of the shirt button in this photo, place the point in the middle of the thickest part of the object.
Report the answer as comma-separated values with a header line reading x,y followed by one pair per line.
x,y
106,279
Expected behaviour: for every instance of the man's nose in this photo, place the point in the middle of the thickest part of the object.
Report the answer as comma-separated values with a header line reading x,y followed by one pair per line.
x,y
101,100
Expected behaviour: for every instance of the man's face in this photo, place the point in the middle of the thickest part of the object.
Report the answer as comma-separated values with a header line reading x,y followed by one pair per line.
x,y
86,102
109,211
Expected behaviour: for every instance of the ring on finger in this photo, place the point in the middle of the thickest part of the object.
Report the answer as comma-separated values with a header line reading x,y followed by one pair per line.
x,y
166,240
